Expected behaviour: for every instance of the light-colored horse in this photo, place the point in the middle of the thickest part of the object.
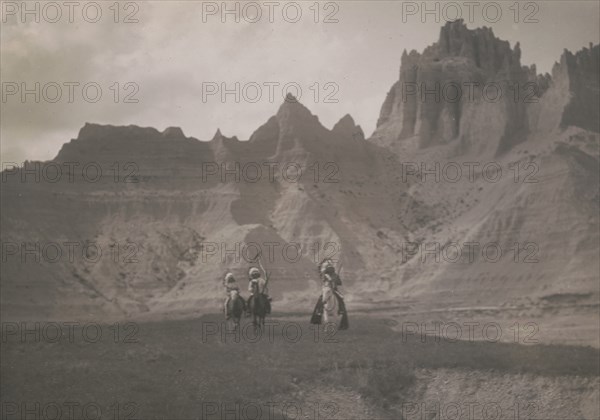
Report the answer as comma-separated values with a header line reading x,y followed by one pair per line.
x,y
330,306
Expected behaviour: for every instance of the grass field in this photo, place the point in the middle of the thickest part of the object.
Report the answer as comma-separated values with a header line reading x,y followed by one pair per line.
x,y
191,369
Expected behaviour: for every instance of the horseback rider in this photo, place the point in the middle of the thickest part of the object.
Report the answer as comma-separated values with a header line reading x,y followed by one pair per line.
x,y
256,283
330,279
230,287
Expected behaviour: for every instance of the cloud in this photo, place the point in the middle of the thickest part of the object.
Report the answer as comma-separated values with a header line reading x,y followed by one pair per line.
x,y
170,53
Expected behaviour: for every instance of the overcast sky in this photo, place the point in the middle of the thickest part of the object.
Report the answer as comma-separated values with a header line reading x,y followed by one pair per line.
x,y
174,50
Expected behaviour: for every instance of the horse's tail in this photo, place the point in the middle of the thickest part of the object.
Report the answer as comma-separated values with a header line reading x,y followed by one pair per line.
x,y
344,323
265,305
237,307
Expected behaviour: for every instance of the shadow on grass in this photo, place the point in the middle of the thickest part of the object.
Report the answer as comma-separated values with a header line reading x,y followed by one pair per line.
x,y
174,367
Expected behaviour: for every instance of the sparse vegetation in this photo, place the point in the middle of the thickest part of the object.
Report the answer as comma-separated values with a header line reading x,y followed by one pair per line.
x,y
170,371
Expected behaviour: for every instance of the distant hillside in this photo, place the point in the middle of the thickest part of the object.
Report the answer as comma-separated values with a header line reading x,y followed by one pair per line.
x,y
170,214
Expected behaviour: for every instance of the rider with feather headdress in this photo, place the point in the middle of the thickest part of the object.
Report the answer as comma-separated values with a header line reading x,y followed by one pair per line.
x,y
331,279
231,288
257,285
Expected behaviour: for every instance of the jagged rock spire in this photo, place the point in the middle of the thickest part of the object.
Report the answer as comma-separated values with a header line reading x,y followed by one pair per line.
x,y
346,127
218,134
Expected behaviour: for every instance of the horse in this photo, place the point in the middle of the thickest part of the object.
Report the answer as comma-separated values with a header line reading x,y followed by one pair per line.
x,y
235,309
330,306
330,309
258,305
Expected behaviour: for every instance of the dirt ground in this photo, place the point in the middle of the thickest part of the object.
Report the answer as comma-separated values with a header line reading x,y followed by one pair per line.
x,y
196,369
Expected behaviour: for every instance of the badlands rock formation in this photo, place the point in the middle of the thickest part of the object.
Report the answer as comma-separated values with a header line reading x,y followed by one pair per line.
x,y
171,213
471,85
541,148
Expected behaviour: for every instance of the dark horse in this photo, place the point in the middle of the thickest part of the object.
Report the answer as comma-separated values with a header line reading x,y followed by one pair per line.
x,y
259,307
235,309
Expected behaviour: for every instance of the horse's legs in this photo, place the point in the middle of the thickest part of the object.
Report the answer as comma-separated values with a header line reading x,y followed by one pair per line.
x,y
330,307
255,322
325,309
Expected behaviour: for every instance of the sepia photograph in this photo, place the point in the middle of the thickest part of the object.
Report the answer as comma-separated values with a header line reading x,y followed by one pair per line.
x,y
300,210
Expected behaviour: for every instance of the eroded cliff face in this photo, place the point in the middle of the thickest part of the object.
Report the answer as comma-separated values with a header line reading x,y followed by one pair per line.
x,y
548,128
580,71
470,88
172,213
